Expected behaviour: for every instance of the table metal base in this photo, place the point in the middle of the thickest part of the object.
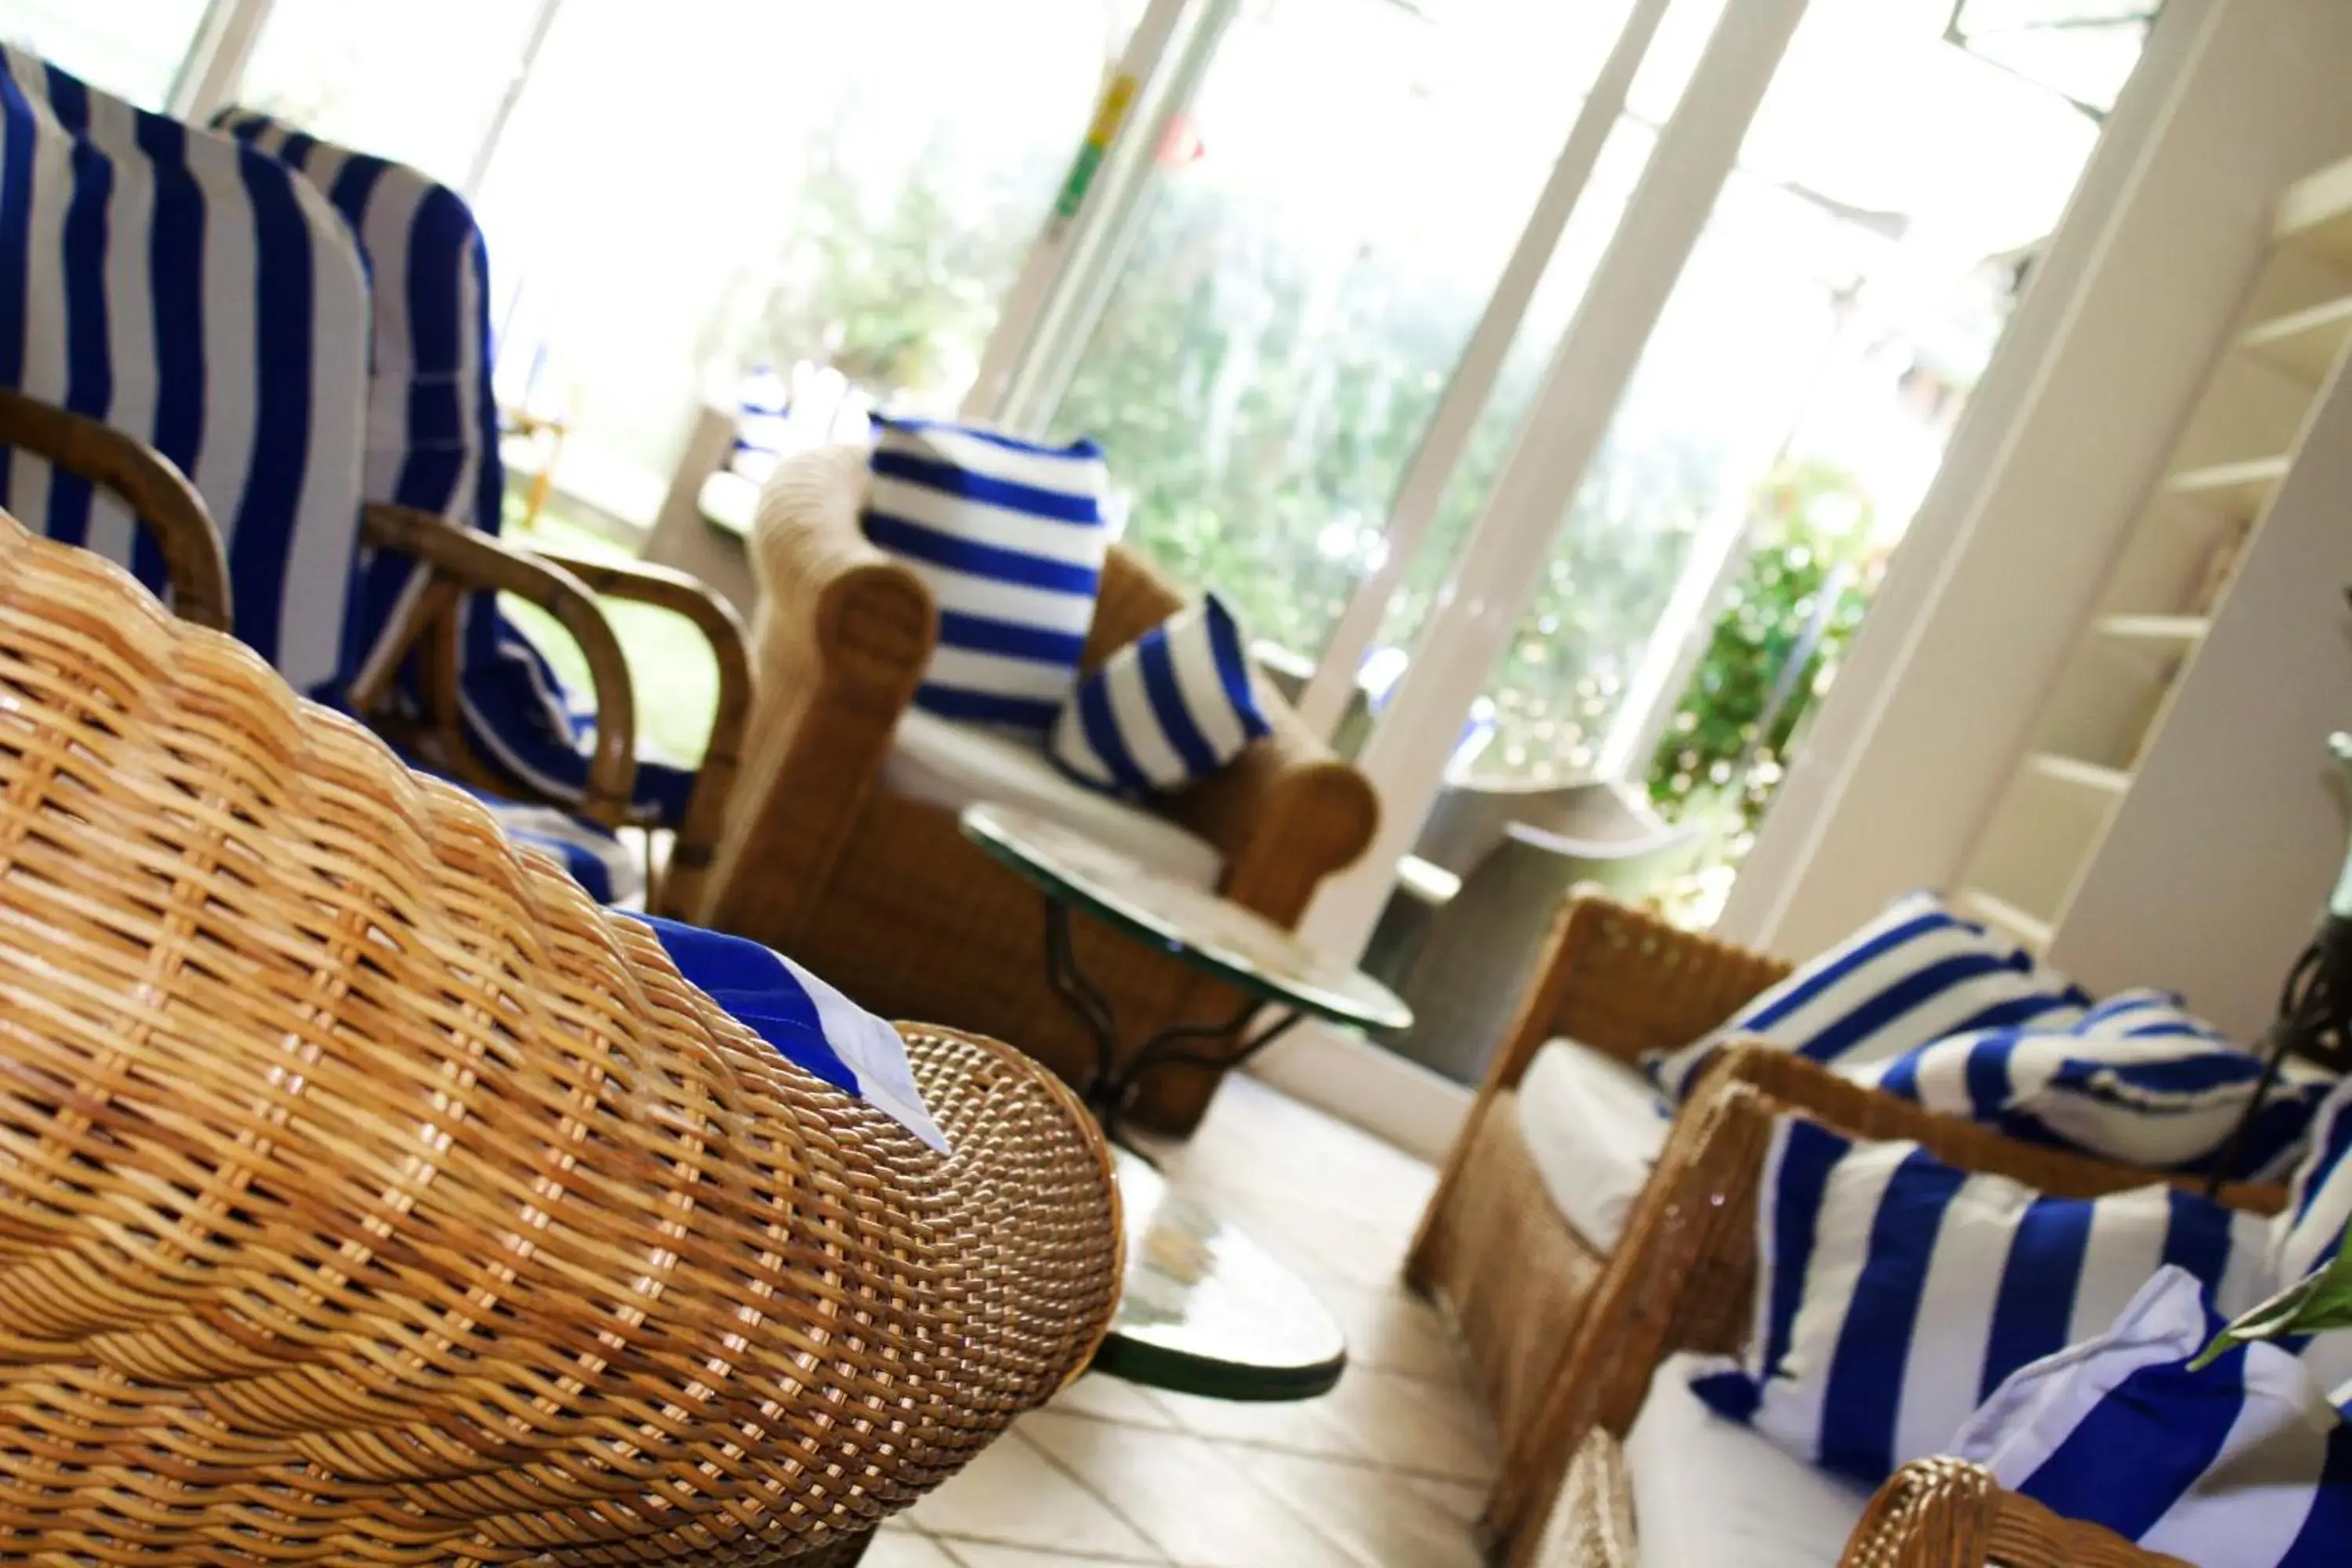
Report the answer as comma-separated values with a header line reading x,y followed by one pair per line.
x,y
1112,1085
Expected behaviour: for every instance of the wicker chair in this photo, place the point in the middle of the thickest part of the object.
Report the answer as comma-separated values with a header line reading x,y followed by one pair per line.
x,y
370,1197
464,564
1683,1279
1492,1247
1943,1513
881,893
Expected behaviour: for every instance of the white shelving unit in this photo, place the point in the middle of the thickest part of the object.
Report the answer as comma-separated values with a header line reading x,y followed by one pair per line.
x,y
2172,583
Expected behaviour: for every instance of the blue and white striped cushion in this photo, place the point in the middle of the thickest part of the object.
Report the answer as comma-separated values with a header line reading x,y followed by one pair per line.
x,y
433,444
201,298
594,856
2135,1079
808,1021
1174,706
1895,1292
1009,538
2309,1231
2242,1463
1916,973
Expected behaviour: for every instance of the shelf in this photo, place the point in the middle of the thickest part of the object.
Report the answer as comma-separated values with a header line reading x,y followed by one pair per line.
x,y
2244,488
2034,933
2305,343
2154,629
2315,215
2081,774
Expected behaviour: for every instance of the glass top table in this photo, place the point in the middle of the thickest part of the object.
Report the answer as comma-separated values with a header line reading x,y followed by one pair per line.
x,y
1221,939
1206,1309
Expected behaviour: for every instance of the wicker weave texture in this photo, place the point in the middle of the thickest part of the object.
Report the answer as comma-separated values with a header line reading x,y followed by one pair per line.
x,y
881,893
1946,1513
367,1196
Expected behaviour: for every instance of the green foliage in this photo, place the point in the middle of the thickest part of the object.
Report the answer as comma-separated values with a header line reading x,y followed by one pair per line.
x,y
1786,617
2314,1305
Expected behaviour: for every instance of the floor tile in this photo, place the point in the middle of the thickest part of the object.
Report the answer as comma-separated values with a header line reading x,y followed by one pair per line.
x,y
1013,1495
906,1548
1194,1500
1302,1426
1383,1522
1103,1398
1411,1424
981,1554
1458,1500
1392,1330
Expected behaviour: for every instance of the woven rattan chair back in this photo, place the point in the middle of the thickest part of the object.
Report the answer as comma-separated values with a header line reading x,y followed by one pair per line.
x,y
369,1196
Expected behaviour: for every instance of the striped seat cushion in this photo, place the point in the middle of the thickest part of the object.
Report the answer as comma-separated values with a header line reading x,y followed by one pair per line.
x,y
1009,538
1894,1292
204,300
1172,707
2309,1232
805,1019
433,444
2135,1079
1916,974
592,856
2243,1462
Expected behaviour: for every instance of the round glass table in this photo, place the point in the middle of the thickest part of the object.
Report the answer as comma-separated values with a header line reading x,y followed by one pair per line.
x,y
1271,967
1206,1309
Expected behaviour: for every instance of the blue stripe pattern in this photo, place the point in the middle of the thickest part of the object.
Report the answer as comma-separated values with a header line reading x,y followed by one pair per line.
x,y
807,1021
2310,1233
1916,973
1009,537
1895,1290
1167,710
203,299
2135,1079
434,446
592,856
2242,1462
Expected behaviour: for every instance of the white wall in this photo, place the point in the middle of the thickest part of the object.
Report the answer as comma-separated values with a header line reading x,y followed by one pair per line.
x,y
2073,424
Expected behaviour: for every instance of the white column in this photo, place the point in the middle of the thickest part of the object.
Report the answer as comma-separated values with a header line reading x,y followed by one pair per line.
x,y
1325,702
1488,590
541,26
208,78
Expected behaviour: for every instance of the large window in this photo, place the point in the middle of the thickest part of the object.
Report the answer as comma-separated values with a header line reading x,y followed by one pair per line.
x,y
133,49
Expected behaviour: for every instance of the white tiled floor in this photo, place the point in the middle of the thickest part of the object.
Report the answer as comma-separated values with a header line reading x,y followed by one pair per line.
x,y
1386,1471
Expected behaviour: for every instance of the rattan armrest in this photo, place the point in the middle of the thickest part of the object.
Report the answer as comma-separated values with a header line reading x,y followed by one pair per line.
x,y
1945,1513
841,640
715,618
463,562
1628,984
1286,813
154,490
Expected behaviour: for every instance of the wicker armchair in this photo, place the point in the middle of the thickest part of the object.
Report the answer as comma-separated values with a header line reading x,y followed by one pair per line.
x,y
1684,1277
882,894
1943,1513
464,564
1492,1248
372,1198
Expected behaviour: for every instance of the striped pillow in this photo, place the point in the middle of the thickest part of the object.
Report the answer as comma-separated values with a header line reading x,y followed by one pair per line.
x,y
1894,1292
1173,706
807,1021
2135,1079
1009,538
132,251
2243,1462
2310,1231
1916,973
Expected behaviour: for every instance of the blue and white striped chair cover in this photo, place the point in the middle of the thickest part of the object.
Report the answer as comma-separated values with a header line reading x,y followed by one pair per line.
x,y
206,300
433,444
200,298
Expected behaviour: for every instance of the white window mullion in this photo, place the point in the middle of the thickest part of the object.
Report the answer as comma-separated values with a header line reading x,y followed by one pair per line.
x,y
209,77
1487,591
1332,688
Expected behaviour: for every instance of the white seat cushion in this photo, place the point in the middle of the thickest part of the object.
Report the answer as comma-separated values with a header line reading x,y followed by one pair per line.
x,y
1708,1491
1593,1126
941,762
